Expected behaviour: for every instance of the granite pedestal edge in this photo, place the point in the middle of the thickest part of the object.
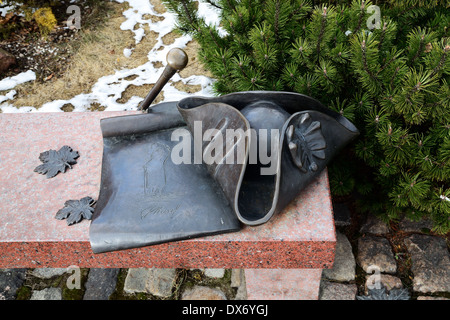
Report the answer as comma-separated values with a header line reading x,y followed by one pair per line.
x,y
302,238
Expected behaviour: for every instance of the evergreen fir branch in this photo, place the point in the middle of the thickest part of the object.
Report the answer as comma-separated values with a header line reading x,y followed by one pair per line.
x,y
441,199
308,84
341,179
214,4
391,84
242,62
364,59
365,63
323,22
440,219
419,50
444,150
409,4
412,97
395,141
343,108
290,75
214,37
382,35
362,15
394,56
440,65
327,76
301,9
417,41
276,25
266,55
374,120
301,51
411,190
362,103
228,4
188,12
387,35
388,169
365,150
277,17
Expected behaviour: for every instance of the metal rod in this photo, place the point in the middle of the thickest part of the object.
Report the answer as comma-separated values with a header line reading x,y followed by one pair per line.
x,y
177,60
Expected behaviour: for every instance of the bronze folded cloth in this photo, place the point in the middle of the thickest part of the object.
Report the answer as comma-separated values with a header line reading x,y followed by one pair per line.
x,y
203,166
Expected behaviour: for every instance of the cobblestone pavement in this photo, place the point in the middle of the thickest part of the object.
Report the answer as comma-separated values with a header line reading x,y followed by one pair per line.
x,y
405,255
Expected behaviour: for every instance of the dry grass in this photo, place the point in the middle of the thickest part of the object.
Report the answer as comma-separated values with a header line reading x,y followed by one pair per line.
x,y
100,53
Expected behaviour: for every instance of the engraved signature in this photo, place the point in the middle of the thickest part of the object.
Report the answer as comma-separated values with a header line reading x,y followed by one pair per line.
x,y
158,210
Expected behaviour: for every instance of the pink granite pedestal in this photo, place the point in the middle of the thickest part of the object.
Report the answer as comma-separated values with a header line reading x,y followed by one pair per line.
x,y
302,237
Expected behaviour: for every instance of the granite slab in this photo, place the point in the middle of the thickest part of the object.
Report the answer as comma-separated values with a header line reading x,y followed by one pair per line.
x,y
303,236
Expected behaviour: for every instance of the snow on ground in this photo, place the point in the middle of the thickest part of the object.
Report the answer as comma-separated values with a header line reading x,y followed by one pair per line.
x,y
109,89
12,82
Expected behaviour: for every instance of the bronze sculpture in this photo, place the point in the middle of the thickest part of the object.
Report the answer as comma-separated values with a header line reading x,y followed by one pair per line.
x,y
147,197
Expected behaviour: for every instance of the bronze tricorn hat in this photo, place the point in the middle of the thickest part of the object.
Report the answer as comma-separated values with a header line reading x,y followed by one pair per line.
x,y
305,137
147,198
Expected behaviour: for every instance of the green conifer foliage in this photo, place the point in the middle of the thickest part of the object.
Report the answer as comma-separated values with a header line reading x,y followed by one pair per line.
x,y
388,73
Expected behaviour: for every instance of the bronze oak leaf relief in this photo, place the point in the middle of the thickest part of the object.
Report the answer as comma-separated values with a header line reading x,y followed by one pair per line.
x,y
55,162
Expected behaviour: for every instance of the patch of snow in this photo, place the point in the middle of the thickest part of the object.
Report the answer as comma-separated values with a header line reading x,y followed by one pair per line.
x,y
7,108
12,82
127,52
9,96
5,10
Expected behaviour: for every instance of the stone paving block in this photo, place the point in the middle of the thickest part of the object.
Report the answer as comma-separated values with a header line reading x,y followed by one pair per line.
x,y
430,263
431,298
422,225
160,282
344,261
214,273
10,281
374,225
101,284
337,291
135,280
237,277
47,294
283,284
386,280
203,293
376,252
238,281
47,273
